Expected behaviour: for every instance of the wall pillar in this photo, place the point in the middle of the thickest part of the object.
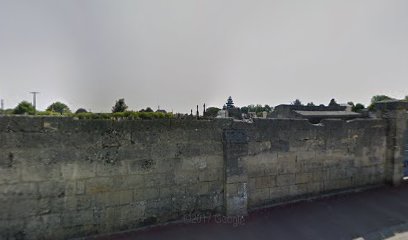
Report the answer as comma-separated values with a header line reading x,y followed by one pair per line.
x,y
235,143
395,114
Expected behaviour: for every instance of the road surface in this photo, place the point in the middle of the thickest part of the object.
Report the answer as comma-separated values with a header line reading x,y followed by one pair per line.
x,y
380,213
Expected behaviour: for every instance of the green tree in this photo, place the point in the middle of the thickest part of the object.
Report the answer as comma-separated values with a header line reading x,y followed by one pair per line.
x,y
378,98
81,110
297,102
230,103
267,108
24,107
333,103
357,108
406,98
251,108
148,109
120,106
244,110
59,107
211,112
256,108
311,104
259,108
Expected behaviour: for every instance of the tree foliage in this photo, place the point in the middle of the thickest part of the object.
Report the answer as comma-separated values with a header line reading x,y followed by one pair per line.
x,y
256,108
378,98
358,107
311,104
24,107
211,112
333,103
59,107
125,115
230,103
148,109
297,102
81,110
120,106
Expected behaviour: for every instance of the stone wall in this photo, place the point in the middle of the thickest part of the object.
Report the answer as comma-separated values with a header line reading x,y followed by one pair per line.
x,y
288,159
64,178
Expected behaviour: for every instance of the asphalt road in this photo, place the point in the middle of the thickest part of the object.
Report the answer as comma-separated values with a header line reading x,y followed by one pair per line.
x,y
380,213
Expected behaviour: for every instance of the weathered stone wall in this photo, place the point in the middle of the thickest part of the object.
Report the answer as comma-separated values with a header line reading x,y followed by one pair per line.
x,y
62,178
289,159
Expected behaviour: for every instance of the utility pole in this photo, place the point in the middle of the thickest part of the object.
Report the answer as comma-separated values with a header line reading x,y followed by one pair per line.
x,y
35,101
204,110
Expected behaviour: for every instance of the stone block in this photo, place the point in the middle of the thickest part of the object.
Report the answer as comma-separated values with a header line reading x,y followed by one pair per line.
x,y
231,190
74,187
265,182
303,177
194,163
198,188
298,189
106,170
134,212
51,189
42,227
172,191
259,197
258,147
216,187
32,172
278,192
186,177
10,175
72,171
207,175
159,208
159,180
314,187
99,184
19,190
167,165
77,203
143,166
78,218
129,182
215,161
80,187
113,198
237,204
286,163
20,208
285,180
146,194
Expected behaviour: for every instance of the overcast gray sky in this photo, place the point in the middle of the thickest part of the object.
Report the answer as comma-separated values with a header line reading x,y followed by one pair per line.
x,y
179,53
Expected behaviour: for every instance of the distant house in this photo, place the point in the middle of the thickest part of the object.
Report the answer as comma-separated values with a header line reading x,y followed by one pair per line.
x,y
314,113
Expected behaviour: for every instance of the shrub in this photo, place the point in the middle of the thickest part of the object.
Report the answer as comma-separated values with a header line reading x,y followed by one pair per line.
x,y
24,107
59,107
120,106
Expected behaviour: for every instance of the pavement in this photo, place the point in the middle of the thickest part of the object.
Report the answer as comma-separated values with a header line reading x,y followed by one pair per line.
x,y
380,213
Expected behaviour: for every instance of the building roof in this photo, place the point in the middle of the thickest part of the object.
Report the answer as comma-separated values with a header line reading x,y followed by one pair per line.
x,y
328,113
